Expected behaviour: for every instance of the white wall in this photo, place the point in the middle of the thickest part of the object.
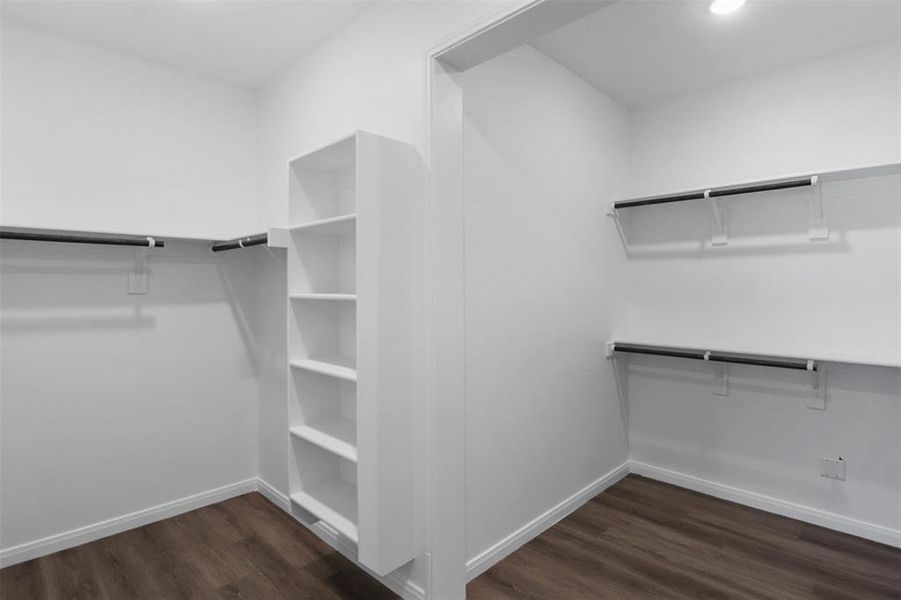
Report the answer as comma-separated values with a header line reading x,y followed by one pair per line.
x,y
834,113
761,439
114,403
270,323
94,140
370,76
772,290
543,274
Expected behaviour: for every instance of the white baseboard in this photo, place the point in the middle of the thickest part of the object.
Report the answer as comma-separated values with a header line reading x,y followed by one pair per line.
x,y
89,533
273,495
397,583
815,516
477,565
488,558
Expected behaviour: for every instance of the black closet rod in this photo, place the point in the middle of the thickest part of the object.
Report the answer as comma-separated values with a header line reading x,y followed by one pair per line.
x,y
716,357
251,240
147,242
716,193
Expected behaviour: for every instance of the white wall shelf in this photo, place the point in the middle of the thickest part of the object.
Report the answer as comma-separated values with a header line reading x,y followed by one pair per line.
x,y
737,188
340,297
335,502
338,436
715,196
351,343
341,367
115,232
828,176
817,356
341,225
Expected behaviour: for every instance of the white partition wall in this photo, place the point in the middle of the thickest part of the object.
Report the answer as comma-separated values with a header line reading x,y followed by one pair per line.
x,y
809,271
545,429
351,267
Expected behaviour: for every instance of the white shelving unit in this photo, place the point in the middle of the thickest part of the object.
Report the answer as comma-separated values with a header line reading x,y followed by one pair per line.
x,y
351,344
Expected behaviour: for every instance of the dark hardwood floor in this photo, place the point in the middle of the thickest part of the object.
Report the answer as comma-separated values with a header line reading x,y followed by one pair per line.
x,y
645,539
639,539
244,548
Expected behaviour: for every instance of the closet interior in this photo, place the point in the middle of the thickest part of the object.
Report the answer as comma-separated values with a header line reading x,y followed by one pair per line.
x,y
697,195
451,298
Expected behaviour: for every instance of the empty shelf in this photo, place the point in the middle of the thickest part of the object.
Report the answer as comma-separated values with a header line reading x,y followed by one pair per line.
x,y
331,226
345,297
335,502
342,367
338,436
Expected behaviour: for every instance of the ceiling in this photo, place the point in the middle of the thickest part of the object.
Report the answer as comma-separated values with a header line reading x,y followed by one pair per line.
x,y
240,42
638,51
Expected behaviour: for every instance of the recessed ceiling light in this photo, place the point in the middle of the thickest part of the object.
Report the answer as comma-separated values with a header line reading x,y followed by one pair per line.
x,y
724,7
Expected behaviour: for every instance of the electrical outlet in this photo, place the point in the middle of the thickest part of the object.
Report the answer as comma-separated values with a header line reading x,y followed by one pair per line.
x,y
833,468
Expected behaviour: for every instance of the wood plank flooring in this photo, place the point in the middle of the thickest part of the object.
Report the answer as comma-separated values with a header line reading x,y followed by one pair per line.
x,y
243,548
645,539
639,539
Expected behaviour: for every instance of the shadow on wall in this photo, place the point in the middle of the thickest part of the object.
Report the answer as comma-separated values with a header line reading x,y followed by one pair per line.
x,y
763,223
245,275
50,288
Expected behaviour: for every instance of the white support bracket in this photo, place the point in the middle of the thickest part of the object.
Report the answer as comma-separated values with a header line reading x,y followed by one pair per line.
x,y
720,377
817,228
720,238
621,377
817,400
614,214
137,276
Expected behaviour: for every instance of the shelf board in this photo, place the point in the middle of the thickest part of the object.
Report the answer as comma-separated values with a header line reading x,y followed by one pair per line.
x,y
856,172
335,502
342,367
339,225
158,235
338,436
850,359
344,297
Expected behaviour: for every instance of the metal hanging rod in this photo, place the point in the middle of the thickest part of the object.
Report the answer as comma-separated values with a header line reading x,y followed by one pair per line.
x,y
146,242
716,193
251,240
808,365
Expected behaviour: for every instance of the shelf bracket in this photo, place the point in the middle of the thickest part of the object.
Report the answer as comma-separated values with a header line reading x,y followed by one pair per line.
x,y
720,377
817,400
614,214
137,276
621,378
719,221
817,229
